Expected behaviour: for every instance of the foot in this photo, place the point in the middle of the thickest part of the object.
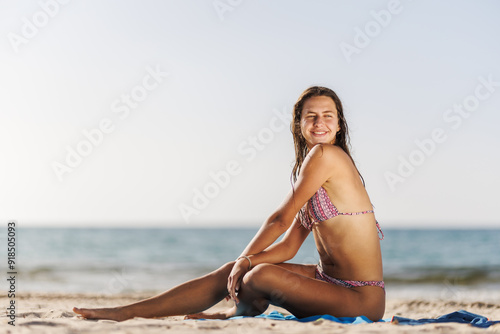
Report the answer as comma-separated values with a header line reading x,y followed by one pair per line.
x,y
217,315
101,313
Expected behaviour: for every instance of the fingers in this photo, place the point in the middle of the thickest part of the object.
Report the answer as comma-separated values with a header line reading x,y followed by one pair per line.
x,y
234,281
232,291
233,286
237,288
229,285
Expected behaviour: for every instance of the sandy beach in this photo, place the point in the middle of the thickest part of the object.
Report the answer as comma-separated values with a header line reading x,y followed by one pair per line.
x,y
51,313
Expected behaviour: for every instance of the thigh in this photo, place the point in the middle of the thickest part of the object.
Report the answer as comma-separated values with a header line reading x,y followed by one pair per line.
x,y
304,296
308,270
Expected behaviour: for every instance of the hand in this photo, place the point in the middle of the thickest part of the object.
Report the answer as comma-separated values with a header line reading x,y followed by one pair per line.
x,y
239,270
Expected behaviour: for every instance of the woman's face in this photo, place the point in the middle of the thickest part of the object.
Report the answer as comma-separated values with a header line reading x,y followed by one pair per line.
x,y
319,122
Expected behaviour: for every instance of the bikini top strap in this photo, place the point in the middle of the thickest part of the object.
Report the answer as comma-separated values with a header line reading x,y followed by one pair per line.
x,y
380,233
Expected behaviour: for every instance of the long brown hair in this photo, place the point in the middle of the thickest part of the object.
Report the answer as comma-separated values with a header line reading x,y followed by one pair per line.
x,y
341,138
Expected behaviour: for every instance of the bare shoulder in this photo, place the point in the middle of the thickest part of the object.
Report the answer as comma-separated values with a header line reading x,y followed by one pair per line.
x,y
327,154
323,161
320,165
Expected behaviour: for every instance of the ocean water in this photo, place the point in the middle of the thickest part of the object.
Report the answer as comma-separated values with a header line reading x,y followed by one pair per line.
x,y
446,264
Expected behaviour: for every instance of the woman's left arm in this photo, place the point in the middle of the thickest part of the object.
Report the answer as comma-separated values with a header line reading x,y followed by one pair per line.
x,y
316,169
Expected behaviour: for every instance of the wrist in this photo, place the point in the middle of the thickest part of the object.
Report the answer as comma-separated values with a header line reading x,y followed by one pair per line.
x,y
246,258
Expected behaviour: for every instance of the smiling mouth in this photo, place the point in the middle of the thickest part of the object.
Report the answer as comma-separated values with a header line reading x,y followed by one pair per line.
x,y
319,133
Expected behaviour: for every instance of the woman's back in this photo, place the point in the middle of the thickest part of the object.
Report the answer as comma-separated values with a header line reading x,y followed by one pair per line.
x,y
347,241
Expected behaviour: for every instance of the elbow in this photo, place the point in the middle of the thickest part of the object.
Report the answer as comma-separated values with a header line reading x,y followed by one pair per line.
x,y
289,251
292,254
278,222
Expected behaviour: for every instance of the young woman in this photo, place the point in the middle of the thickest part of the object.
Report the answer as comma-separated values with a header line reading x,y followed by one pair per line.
x,y
347,281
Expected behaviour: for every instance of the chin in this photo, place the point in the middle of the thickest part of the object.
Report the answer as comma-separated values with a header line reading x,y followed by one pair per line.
x,y
325,142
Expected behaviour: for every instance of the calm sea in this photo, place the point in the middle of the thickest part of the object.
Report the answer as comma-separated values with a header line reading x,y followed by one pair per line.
x,y
447,264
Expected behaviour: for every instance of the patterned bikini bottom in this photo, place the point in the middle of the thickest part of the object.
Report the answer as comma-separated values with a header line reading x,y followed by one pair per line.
x,y
346,284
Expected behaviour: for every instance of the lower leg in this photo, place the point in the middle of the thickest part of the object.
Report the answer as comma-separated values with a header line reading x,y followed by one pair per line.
x,y
254,301
250,305
226,314
190,297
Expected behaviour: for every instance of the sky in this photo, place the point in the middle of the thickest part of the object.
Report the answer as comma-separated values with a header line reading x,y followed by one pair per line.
x,y
176,113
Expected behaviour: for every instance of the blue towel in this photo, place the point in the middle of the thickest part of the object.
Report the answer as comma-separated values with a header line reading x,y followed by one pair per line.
x,y
461,316
275,315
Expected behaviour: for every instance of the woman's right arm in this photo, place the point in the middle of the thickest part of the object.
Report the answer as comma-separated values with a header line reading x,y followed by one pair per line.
x,y
285,249
268,233
275,253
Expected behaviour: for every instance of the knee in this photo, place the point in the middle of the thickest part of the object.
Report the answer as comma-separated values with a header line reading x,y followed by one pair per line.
x,y
259,276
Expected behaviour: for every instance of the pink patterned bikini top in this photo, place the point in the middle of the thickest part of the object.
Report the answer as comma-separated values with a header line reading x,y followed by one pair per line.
x,y
320,208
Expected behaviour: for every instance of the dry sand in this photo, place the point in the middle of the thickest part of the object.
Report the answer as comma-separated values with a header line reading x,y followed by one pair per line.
x,y
51,313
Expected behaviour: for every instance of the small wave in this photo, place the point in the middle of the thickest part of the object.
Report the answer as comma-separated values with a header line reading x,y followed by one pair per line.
x,y
457,276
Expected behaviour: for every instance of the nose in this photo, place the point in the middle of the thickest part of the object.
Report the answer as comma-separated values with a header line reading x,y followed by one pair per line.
x,y
318,120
